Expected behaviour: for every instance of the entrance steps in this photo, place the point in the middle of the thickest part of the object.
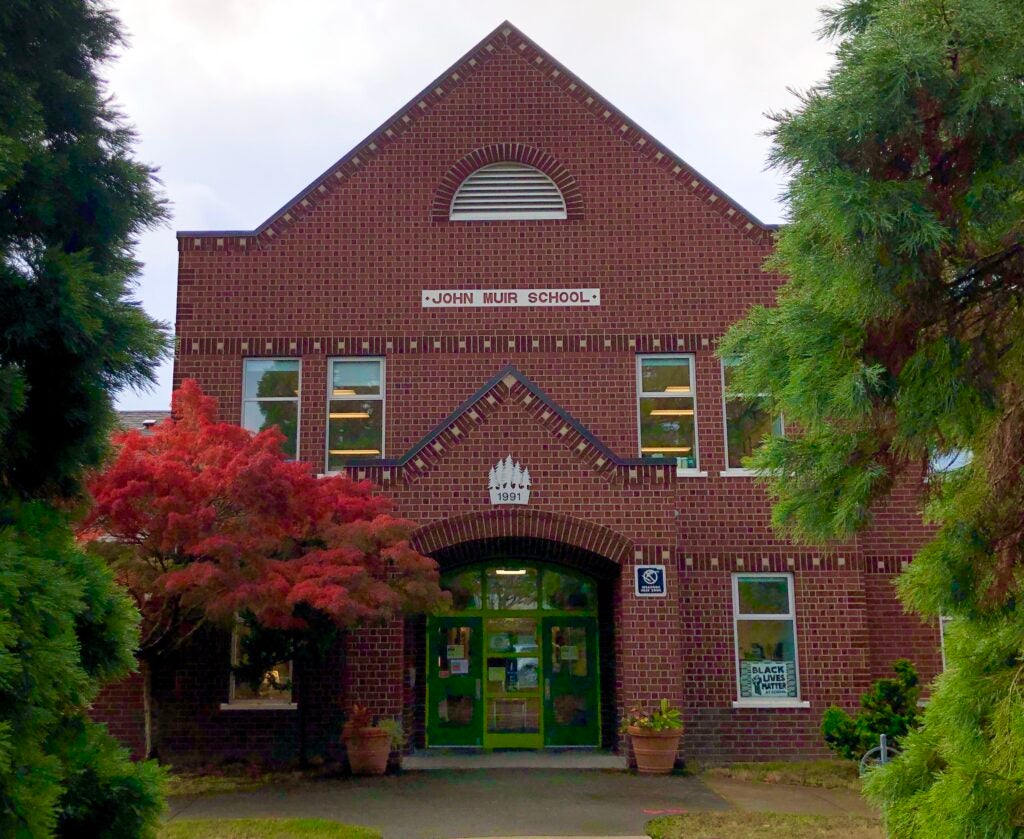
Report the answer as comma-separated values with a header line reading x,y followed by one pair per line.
x,y
435,759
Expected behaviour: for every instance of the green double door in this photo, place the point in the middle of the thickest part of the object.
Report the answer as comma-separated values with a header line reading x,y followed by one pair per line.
x,y
506,680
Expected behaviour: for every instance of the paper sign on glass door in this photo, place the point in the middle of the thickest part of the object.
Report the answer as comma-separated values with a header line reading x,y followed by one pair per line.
x,y
460,666
456,651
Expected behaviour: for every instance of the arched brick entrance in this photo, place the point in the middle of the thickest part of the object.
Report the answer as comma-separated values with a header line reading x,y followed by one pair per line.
x,y
512,523
511,535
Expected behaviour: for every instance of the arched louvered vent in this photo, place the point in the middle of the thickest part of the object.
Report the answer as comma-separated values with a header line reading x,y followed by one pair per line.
x,y
507,191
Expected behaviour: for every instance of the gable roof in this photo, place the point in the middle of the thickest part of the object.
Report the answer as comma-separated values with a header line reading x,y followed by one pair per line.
x,y
391,131
510,386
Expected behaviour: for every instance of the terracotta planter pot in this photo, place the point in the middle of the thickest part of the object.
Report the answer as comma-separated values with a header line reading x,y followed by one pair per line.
x,y
368,751
655,750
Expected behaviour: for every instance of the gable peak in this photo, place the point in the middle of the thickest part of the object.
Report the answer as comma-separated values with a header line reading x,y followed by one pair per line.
x,y
506,34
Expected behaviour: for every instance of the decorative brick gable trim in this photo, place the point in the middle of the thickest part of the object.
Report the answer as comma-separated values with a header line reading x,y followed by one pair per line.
x,y
506,153
535,524
505,37
510,384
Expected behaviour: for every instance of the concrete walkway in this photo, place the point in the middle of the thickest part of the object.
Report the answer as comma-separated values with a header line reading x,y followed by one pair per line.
x,y
457,804
433,759
752,796
451,804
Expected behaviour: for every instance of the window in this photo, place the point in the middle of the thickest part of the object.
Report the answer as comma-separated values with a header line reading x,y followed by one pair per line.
x,y
747,423
275,686
518,587
950,461
355,411
666,405
507,192
270,396
766,657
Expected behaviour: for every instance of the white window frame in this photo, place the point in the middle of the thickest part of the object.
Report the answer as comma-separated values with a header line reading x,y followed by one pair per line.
x,y
944,620
681,471
234,704
297,399
782,701
737,471
382,361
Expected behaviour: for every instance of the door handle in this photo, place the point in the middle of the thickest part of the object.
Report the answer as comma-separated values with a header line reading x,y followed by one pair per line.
x,y
547,690
477,688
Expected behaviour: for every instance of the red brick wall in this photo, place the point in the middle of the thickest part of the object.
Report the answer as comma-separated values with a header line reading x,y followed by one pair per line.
x,y
833,651
340,272
894,633
120,707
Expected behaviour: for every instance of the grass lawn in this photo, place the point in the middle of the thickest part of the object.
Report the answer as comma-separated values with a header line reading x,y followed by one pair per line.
x,y
215,783
763,826
193,784
263,829
830,774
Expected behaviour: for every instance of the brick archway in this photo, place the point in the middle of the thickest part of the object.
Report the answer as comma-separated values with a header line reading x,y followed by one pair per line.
x,y
504,153
517,535
514,523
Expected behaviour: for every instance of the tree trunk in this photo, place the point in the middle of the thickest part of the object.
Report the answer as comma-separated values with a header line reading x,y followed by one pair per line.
x,y
300,695
147,708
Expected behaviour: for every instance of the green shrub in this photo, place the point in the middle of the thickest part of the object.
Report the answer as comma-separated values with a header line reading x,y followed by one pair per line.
x,y
889,708
65,628
106,794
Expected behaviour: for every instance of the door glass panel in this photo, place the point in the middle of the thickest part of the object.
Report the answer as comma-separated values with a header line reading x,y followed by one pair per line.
x,y
455,710
511,588
512,675
567,592
571,710
513,636
453,651
513,715
569,650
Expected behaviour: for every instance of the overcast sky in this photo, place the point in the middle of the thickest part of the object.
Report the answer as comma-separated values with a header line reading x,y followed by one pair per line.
x,y
241,103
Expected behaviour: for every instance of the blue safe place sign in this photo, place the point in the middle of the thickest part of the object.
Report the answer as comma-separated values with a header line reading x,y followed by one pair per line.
x,y
650,581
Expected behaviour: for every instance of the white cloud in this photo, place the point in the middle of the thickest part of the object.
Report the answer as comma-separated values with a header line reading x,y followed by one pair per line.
x,y
243,102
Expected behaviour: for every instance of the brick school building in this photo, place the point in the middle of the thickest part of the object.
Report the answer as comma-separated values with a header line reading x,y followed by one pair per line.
x,y
502,308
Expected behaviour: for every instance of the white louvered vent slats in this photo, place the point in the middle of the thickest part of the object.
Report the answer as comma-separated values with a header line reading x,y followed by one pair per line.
x,y
505,191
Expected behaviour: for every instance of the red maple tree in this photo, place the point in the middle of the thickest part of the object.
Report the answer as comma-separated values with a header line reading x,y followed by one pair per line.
x,y
203,521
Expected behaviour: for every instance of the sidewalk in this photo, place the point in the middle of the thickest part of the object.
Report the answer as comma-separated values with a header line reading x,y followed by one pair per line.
x,y
756,797
456,804
451,804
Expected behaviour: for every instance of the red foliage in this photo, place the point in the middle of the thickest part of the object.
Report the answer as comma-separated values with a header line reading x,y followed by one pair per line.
x,y
204,520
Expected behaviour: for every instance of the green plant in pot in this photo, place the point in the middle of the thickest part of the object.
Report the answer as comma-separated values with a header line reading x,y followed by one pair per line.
x,y
369,741
655,737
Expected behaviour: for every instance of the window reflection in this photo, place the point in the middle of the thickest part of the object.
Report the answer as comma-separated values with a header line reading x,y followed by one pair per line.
x,y
511,588
567,592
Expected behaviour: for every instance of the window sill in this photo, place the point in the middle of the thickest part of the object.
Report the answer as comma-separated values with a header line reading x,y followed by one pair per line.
x,y
259,706
737,473
690,473
771,703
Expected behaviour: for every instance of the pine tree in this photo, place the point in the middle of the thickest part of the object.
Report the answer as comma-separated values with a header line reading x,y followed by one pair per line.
x,y
898,340
72,201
